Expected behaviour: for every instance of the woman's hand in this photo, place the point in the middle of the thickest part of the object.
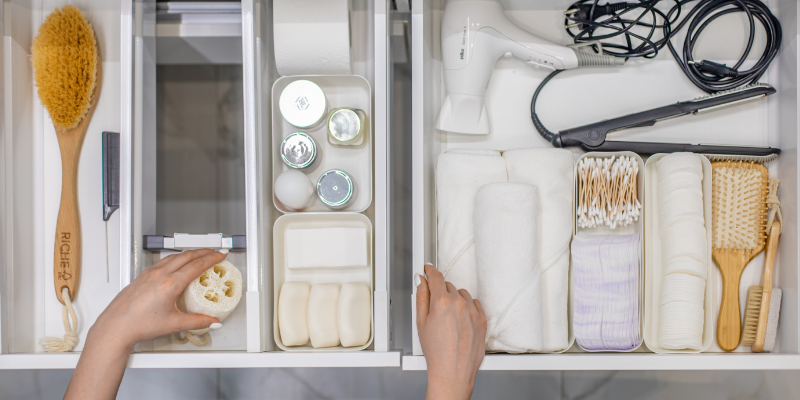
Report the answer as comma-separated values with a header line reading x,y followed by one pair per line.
x,y
147,308
452,332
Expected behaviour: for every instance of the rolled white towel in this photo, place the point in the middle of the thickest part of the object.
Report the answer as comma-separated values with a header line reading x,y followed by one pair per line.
x,y
459,175
508,270
550,170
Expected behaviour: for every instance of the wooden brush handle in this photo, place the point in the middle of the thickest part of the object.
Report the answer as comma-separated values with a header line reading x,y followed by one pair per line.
x,y
67,257
729,325
766,285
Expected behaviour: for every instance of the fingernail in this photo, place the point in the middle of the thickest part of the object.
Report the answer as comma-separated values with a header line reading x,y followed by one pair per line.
x,y
417,280
215,326
428,263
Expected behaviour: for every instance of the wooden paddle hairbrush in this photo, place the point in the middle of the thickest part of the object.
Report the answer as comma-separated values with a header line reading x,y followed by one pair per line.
x,y
739,213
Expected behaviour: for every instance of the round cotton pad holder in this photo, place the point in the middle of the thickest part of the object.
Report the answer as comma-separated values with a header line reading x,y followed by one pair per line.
x,y
654,265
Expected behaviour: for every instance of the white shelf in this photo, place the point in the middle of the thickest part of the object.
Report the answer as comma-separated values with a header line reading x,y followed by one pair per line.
x,y
621,362
238,359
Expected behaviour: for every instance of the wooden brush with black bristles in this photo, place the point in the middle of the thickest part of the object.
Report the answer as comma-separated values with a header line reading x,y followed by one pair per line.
x,y
739,213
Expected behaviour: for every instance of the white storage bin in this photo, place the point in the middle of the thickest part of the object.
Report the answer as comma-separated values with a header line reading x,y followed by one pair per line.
x,y
135,43
584,95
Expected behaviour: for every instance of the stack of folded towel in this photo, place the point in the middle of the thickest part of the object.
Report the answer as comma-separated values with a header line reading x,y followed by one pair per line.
x,y
466,257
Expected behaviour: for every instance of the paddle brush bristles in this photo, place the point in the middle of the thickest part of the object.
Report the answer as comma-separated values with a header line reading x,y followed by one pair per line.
x,y
751,313
64,58
739,205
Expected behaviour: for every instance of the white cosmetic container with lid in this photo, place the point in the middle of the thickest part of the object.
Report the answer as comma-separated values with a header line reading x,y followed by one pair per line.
x,y
303,104
347,128
300,151
336,189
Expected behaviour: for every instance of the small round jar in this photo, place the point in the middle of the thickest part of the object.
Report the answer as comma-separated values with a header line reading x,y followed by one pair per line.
x,y
303,104
300,151
336,189
345,125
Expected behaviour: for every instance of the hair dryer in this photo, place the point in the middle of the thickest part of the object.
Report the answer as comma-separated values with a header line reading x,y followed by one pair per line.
x,y
475,34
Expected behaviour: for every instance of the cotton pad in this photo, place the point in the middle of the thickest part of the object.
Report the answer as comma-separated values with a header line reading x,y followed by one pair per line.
x,y
685,265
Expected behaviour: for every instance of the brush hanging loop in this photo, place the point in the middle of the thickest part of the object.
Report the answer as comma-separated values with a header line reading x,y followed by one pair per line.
x,y
200,340
56,345
774,204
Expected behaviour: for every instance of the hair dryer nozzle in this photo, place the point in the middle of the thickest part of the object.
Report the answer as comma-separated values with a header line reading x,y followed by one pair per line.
x,y
586,59
462,113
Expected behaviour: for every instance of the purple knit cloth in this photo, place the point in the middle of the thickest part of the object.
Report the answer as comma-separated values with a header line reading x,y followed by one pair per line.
x,y
605,274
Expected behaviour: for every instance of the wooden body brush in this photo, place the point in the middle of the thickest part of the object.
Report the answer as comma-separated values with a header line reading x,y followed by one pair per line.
x,y
66,65
759,298
739,212
763,302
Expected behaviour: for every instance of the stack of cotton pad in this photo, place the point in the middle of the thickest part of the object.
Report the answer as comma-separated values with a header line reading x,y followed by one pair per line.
x,y
606,284
684,251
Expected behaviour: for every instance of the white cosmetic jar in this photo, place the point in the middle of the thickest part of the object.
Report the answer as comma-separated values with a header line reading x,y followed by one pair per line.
x,y
336,189
303,104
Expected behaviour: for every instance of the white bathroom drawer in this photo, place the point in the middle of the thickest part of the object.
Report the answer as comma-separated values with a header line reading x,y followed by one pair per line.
x,y
601,94
130,39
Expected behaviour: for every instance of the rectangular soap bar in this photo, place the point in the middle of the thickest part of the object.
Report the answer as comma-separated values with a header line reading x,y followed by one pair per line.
x,y
326,248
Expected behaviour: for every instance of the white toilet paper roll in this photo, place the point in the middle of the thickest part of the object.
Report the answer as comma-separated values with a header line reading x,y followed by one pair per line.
x,y
312,37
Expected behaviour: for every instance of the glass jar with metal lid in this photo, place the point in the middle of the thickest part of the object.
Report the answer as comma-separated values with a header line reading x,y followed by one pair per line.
x,y
303,104
336,189
347,128
300,151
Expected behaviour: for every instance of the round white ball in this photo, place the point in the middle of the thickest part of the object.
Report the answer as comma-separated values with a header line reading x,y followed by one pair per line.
x,y
294,189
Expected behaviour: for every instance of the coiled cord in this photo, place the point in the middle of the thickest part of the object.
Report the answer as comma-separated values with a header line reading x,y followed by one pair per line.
x,y
620,18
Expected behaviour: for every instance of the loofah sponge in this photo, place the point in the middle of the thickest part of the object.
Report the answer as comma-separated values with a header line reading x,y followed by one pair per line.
x,y
64,57
215,293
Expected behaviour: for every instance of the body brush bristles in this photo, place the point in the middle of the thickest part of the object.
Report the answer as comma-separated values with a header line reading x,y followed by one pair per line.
x,y
64,58
739,212
66,64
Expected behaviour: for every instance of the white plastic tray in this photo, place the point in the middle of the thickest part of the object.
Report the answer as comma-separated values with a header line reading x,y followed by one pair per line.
x,y
340,91
636,227
283,274
653,259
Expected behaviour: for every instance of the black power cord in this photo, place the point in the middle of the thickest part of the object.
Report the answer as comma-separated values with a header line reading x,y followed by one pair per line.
x,y
620,19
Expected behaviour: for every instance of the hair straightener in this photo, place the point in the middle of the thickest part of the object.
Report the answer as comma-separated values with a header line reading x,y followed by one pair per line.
x,y
592,137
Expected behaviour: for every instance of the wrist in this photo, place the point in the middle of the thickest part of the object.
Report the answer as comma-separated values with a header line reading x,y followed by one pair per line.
x,y
99,336
442,387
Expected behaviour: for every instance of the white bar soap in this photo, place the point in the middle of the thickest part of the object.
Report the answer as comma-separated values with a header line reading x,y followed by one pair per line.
x,y
322,305
326,248
292,310
355,316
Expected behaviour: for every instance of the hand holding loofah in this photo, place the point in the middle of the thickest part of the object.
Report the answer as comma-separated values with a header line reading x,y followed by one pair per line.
x,y
216,293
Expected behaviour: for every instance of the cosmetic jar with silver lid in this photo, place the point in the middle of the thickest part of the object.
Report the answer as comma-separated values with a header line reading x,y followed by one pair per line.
x,y
300,151
336,189
347,128
303,104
